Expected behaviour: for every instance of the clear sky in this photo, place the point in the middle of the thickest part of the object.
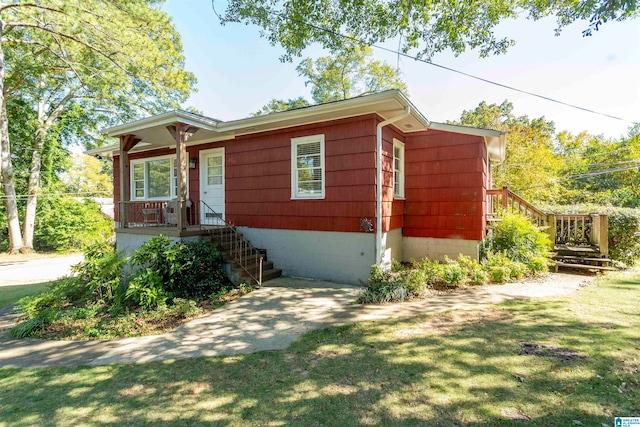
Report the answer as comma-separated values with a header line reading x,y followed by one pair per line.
x,y
238,72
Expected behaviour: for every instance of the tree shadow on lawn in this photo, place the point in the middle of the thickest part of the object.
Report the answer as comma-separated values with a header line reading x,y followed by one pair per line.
x,y
449,369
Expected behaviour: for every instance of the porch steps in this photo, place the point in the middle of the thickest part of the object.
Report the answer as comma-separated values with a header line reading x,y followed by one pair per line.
x,y
582,259
234,271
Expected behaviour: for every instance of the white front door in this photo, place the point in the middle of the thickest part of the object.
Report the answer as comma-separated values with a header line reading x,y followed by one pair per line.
x,y
212,186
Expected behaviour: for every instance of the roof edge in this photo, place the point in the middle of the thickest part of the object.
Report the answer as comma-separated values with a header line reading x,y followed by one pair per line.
x,y
167,118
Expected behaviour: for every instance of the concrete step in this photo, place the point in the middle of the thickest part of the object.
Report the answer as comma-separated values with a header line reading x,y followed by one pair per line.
x,y
253,268
266,276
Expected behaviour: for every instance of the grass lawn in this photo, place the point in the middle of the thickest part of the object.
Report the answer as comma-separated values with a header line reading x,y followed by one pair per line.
x,y
452,370
11,294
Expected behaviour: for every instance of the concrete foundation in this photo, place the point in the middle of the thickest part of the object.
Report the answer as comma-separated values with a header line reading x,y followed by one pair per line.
x,y
421,247
321,255
392,245
129,242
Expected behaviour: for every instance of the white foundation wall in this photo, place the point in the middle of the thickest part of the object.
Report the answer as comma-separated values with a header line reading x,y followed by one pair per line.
x,y
392,246
126,242
420,247
321,255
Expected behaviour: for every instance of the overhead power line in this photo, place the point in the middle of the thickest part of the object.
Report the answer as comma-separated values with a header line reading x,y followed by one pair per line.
x,y
604,171
415,58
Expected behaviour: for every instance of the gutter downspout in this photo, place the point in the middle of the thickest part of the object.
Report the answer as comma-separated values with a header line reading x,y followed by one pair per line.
x,y
379,180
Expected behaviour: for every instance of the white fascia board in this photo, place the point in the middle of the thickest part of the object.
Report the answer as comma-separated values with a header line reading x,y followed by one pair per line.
x,y
331,107
106,151
467,130
164,119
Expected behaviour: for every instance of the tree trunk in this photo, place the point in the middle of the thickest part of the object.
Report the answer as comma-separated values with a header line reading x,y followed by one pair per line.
x,y
34,187
10,202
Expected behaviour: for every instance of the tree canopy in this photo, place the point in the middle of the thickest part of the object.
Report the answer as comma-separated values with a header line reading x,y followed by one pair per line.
x,y
426,26
345,74
94,61
549,168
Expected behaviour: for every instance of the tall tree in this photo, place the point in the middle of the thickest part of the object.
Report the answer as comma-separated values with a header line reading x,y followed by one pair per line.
x,y
275,105
428,26
346,74
88,176
600,170
110,59
531,167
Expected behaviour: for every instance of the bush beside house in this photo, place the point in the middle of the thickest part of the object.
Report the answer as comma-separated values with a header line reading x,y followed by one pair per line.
x,y
112,295
515,249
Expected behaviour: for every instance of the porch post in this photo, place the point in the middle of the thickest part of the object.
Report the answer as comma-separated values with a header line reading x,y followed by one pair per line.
x,y
127,142
505,198
181,133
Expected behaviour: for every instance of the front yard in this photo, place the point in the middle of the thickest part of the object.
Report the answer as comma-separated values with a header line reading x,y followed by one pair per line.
x,y
460,368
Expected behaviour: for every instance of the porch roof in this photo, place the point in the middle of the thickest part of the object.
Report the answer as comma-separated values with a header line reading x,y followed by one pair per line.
x,y
152,131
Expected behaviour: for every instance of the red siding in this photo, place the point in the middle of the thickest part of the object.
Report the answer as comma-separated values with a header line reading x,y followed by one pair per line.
x,y
258,178
445,180
446,175
392,209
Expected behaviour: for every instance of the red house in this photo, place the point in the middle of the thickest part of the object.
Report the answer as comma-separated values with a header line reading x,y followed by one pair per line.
x,y
328,190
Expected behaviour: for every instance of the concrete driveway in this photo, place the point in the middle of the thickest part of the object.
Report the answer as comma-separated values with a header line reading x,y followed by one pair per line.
x,y
36,271
269,318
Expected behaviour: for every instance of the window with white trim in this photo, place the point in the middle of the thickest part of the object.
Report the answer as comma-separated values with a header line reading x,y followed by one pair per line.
x,y
398,169
154,178
307,167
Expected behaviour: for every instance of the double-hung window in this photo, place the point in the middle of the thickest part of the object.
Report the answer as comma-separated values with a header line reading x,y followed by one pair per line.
x,y
398,169
154,178
307,167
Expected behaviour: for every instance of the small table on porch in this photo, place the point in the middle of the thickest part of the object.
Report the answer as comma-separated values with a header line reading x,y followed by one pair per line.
x,y
151,216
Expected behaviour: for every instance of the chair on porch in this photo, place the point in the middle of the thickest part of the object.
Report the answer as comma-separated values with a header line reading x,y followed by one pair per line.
x,y
170,211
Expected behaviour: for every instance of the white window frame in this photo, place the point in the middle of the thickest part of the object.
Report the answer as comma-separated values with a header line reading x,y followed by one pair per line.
x,y
173,189
399,194
295,195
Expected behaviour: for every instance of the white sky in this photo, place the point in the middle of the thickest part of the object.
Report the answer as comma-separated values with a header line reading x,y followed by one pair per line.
x,y
238,72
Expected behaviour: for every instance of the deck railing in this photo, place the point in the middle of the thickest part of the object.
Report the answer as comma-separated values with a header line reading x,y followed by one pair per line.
x,y
504,200
581,231
155,213
233,243
590,230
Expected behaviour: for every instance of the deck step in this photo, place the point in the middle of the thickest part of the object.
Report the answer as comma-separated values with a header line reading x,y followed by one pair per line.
x,y
579,258
583,266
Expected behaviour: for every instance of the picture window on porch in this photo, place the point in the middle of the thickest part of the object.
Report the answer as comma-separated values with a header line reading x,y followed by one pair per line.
x,y
398,169
154,178
307,167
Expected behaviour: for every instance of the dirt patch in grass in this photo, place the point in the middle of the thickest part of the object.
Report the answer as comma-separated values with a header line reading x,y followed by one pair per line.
x,y
541,350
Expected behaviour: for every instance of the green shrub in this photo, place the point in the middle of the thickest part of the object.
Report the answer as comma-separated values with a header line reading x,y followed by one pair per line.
x,y
66,291
66,224
478,277
146,289
475,274
185,307
453,274
185,269
102,270
382,292
518,239
501,268
432,271
29,327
